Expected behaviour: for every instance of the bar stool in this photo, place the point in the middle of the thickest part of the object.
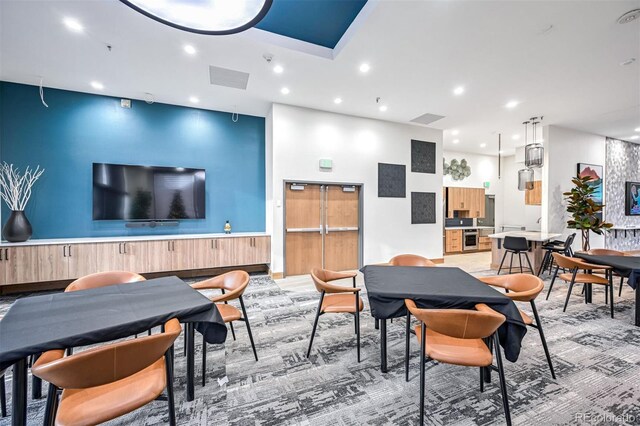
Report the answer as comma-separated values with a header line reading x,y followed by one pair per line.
x,y
515,245
556,246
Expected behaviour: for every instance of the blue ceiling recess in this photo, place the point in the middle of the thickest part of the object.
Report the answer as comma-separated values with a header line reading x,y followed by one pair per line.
x,y
321,22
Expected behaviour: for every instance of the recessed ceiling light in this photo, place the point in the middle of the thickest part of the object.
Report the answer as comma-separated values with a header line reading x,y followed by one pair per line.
x,y
637,129
193,99
511,104
483,145
458,90
456,140
383,108
190,49
97,85
515,137
634,137
284,90
364,68
455,132
337,101
73,24
278,69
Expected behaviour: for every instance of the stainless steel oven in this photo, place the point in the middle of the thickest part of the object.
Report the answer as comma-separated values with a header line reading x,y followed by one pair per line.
x,y
469,239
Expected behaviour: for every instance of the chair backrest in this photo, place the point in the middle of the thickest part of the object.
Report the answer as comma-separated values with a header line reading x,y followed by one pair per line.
x,y
321,278
104,279
568,251
522,287
515,243
606,252
566,261
235,281
459,323
105,364
410,260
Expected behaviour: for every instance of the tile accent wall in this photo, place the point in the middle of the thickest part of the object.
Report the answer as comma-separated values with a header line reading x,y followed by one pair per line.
x,y
622,165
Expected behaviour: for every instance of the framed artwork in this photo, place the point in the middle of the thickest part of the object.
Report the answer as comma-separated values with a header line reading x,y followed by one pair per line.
x,y
392,180
423,207
423,156
597,179
632,199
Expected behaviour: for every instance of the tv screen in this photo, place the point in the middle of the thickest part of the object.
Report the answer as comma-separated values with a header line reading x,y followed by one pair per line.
x,y
126,192
632,199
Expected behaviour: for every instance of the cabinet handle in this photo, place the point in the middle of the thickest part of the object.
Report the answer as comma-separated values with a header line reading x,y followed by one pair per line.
x,y
173,246
64,251
168,245
6,254
216,244
124,248
119,248
69,251
0,255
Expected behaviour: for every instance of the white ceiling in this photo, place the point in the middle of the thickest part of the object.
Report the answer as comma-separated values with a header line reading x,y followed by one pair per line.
x,y
419,51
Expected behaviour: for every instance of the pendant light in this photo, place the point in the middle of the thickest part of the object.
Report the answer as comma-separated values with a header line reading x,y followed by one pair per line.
x,y
216,17
525,179
534,152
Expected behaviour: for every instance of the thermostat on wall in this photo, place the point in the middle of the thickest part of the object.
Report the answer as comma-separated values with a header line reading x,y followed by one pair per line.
x,y
326,164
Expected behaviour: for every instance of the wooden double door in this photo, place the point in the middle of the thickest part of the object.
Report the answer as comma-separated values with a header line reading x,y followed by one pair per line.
x,y
322,227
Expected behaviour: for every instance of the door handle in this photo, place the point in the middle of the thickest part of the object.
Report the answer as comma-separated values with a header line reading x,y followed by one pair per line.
x,y
342,229
305,229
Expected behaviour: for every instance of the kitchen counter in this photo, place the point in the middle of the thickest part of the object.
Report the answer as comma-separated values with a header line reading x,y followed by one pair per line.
x,y
453,228
529,235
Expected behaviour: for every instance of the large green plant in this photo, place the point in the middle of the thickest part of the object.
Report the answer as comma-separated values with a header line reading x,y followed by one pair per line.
x,y
586,214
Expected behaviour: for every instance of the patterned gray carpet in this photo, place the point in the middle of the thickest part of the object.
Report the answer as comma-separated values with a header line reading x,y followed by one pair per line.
x,y
597,361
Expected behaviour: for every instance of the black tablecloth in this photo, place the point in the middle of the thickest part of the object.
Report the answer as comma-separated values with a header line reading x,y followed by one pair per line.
x,y
627,266
440,288
61,320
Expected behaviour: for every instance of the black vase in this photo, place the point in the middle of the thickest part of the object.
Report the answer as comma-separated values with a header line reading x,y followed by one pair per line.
x,y
17,229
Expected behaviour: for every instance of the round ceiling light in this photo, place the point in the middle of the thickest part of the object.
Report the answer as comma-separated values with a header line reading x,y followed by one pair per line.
x,y
215,17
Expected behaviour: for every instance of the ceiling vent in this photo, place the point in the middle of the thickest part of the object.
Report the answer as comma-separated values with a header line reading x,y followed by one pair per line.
x,y
228,78
427,118
631,15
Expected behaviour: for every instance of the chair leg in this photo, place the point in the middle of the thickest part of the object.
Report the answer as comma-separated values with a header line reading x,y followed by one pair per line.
x,y
422,360
233,333
503,384
315,323
51,406
3,398
246,321
168,362
573,280
621,283
481,379
542,338
406,346
526,256
502,262
610,290
520,262
511,263
377,324
357,319
543,265
204,361
552,281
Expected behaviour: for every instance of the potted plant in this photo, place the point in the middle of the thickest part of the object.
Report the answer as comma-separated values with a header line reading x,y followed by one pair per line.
x,y
15,190
586,214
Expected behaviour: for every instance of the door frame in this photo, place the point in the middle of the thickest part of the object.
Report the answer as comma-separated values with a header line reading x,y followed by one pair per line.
x,y
285,182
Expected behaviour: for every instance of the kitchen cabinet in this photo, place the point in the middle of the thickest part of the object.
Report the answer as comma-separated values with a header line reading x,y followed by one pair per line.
x,y
484,243
453,241
467,202
18,264
122,256
533,197
253,250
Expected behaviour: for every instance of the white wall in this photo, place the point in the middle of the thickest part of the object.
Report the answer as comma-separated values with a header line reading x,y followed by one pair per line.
x,y
300,137
564,149
515,211
484,168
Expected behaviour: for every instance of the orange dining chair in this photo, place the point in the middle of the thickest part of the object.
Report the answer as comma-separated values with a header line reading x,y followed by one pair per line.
x,y
109,381
336,299
609,252
523,288
455,336
410,260
104,279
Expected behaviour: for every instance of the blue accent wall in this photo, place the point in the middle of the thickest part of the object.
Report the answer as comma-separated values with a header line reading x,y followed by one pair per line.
x,y
321,22
79,129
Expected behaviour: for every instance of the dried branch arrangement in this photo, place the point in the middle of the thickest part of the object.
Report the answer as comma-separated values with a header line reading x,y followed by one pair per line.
x,y
15,187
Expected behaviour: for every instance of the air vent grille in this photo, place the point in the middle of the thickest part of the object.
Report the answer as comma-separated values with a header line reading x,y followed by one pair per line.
x,y
427,118
228,78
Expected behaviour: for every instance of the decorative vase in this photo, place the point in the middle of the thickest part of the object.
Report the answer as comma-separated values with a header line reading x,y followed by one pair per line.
x,y
227,228
17,229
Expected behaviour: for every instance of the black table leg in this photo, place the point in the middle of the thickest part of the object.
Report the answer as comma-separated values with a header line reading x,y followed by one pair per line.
x,y
19,394
638,305
36,383
189,342
383,345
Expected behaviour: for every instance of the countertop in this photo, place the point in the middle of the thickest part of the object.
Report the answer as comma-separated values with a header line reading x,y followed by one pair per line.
x,y
453,228
530,236
90,240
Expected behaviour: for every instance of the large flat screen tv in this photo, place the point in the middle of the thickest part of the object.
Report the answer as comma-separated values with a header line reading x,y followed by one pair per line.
x,y
632,199
126,192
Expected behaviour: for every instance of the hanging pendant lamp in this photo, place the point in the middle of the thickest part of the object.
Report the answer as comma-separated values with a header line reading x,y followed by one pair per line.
x,y
525,179
212,17
534,152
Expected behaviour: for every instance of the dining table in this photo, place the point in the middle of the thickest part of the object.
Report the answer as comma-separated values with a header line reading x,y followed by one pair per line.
x,y
625,266
437,288
36,324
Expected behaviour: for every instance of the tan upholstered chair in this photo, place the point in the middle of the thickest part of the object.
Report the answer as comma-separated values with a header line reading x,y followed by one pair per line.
x,y
232,284
104,279
524,288
609,252
410,260
574,265
336,299
455,336
109,381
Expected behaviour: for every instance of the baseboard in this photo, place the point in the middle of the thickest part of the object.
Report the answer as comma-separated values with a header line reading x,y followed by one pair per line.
x,y
277,275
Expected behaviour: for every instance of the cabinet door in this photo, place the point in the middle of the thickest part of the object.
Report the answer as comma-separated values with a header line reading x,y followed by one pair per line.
x,y
53,263
82,260
243,251
135,256
225,252
476,202
19,265
453,241
109,257
159,256
203,254
262,247
182,255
